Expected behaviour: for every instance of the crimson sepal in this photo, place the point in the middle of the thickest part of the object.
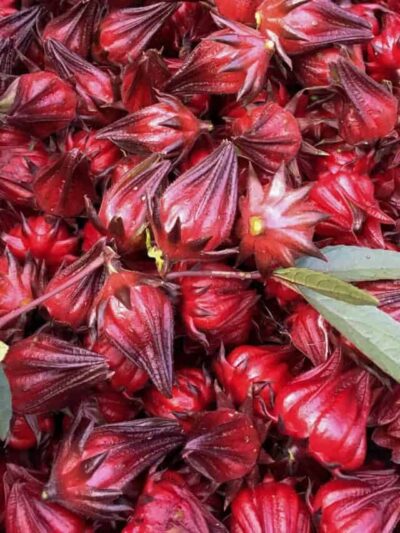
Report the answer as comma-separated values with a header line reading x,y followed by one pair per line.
x,y
123,211
167,499
95,464
29,431
61,186
277,222
142,79
168,128
74,27
241,10
94,86
309,332
386,417
18,284
303,26
46,373
384,51
19,27
222,445
25,509
127,377
270,506
138,319
217,310
44,238
102,154
366,110
18,167
233,60
369,501
192,392
72,305
125,33
314,69
195,214
41,102
267,135
248,368
329,406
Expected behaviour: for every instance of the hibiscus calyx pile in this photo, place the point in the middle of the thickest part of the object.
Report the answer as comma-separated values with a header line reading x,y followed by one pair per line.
x,y
199,266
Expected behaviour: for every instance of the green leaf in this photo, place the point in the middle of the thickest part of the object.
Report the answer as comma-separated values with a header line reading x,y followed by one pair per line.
x,y
375,333
5,405
326,284
355,263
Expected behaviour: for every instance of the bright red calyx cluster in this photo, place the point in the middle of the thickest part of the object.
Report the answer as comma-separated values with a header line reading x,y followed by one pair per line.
x,y
163,163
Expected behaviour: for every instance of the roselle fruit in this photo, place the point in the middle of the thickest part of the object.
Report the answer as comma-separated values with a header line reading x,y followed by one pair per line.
x,y
61,186
137,318
102,154
267,135
365,109
306,26
388,295
127,377
125,33
114,407
8,58
45,373
11,137
125,166
167,502
141,81
217,310
103,406
18,284
314,69
222,445
384,51
388,422
167,127
329,406
195,214
192,392
74,27
351,504
123,211
27,432
277,223
247,368
285,296
72,305
241,11
25,510
41,102
93,85
45,239
19,26
18,167
270,506
95,464
187,25
309,333
233,60
354,213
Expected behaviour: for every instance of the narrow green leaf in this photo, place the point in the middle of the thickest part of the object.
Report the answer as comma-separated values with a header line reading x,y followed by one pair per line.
x,y
355,263
5,405
375,333
326,284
